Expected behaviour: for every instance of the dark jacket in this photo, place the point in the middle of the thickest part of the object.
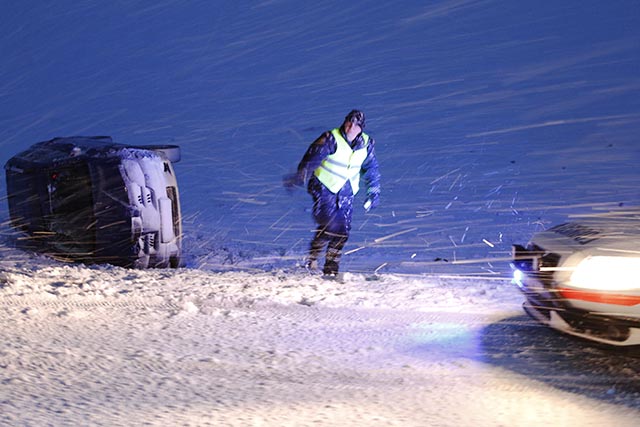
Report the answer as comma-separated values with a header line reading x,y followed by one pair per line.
x,y
326,145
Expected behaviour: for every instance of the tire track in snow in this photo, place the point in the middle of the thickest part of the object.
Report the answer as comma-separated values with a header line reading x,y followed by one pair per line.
x,y
83,302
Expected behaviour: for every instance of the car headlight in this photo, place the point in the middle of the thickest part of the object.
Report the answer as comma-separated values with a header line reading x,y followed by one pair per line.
x,y
607,273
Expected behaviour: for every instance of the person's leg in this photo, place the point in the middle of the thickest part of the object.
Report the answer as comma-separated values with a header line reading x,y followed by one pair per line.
x,y
324,210
334,253
316,248
338,233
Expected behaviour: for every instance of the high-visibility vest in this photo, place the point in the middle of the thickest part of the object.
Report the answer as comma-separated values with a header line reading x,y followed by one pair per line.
x,y
343,165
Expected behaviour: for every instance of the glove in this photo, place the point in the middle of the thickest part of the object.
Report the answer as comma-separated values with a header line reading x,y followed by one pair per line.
x,y
372,201
291,181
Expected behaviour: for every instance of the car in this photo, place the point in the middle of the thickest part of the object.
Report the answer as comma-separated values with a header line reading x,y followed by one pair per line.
x,y
92,200
583,277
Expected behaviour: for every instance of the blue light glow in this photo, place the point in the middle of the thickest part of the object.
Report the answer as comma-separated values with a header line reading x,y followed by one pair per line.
x,y
517,277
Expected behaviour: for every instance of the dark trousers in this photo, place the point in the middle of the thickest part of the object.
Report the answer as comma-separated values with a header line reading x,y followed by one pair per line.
x,y
332,214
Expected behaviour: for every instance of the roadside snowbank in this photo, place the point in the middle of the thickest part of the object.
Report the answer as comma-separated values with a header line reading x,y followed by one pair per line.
x,y
199,291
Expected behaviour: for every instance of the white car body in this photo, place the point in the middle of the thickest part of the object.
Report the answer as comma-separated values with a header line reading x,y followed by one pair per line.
x,y
147,176
583,278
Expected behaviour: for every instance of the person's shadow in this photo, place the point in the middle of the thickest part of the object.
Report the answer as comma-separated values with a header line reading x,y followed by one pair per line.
x,y
568,363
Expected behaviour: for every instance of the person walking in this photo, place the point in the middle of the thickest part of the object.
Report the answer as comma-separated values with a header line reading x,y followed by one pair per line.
x,y
332,167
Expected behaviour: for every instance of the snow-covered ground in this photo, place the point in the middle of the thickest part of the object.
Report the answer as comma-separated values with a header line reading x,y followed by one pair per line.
x,y
492,120
110,346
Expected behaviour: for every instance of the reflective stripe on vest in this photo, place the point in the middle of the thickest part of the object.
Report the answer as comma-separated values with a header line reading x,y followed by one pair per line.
x,y
343,165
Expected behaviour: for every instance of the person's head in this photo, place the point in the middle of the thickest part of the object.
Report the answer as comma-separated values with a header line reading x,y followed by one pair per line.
x,y
356,117
353,124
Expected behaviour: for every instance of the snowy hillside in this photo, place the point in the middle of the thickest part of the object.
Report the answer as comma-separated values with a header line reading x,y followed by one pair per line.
x,y
492,120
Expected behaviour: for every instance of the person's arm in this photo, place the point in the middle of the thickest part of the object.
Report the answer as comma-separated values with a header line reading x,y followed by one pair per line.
x,y
322,147
371,175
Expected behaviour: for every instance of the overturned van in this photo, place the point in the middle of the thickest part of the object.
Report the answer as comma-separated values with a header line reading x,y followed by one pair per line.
x,y
92,200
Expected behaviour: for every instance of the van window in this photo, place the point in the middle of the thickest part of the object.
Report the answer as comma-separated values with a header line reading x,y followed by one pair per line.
x,y
71,208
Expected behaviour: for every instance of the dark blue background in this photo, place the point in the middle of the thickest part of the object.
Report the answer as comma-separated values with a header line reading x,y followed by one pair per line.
x,y
493,118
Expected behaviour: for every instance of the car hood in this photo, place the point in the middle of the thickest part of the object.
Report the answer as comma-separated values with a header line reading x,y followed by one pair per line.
x,y
611,235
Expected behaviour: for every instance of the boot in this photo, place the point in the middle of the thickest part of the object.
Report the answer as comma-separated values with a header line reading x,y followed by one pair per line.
x,y
334,253
315,249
